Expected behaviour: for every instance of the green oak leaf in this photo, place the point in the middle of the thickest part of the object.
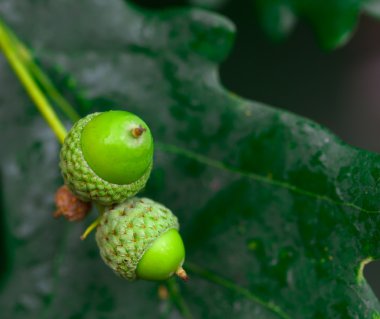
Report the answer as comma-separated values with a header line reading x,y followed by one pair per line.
x,y
279,216
333,21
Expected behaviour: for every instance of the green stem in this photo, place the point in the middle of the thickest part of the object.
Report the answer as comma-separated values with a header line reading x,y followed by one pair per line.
x,y
27,58
92,226
178,299
22,62
95,223
30,86
44,81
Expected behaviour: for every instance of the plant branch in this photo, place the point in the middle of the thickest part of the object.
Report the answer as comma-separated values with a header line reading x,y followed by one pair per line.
x,y
92,226
30,85
177,299
27,58
22,63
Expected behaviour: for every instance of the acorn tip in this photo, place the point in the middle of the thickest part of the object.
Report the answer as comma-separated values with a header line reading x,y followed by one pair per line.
x,y
181,273
138,131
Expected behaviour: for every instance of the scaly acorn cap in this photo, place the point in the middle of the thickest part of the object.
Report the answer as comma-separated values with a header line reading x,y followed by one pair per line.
x,y
127,231
83,181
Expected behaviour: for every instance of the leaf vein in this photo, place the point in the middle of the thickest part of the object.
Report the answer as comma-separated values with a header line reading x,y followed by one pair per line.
x,y
225,283
173,149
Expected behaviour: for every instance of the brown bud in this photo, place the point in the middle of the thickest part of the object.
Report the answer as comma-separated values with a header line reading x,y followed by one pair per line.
x,y
137,131
69,206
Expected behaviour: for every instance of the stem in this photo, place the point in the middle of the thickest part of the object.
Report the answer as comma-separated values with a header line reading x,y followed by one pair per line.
x,y
30,86
41,76
22,63
178,300
90,228
95,223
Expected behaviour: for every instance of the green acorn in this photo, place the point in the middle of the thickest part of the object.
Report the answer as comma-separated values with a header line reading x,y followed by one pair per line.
x,y
139,239
107,157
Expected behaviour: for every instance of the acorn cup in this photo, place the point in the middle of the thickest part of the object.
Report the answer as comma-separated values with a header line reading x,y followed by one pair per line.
x,y
107,157
139,239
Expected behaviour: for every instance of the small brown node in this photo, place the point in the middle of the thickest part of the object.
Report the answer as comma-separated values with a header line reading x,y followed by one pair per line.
x,y
138,131
69,206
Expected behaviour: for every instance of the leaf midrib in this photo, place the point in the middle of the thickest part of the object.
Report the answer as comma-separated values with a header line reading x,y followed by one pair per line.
x,y
177,150
225,283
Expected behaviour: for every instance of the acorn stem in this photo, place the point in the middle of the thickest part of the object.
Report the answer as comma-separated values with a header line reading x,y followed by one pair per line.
x,y
138,131
30,85
27,58
90,228
181,273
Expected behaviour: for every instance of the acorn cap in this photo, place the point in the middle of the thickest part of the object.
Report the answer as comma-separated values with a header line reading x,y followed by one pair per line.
x,y
83,181
127,231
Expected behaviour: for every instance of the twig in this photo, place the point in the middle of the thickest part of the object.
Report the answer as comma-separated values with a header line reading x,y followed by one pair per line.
x,y
30,86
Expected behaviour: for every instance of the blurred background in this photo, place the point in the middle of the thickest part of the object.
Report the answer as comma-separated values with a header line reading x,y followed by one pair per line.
x,y
336,88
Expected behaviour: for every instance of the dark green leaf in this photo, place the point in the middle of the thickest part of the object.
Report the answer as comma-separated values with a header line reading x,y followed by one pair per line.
x,y
332,20
278,215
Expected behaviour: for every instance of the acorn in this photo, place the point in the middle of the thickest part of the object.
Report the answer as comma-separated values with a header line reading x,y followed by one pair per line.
x,y
139,239
107,157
